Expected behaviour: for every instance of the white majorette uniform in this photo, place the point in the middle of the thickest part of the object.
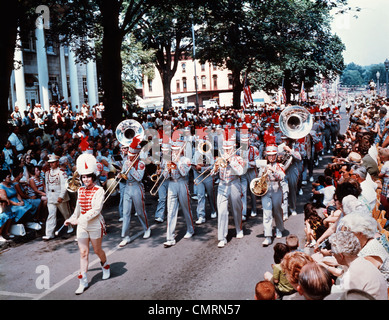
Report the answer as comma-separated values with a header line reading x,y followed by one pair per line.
x,y
178,193
249,155
56,181
229,192
88,218
272,200
134,194
202,164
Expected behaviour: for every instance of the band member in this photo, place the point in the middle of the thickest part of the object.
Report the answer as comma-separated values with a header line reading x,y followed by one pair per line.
x,y
122,183
229,191
249,155
57,196
178,193
202,163
88,218
134,193
272,200
162,191
292,174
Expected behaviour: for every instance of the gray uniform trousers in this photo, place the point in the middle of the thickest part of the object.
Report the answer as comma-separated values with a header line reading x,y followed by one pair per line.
x,y
134,194
208,186
229,193
292,175
272,207
178,195
122,189
245,180
162,199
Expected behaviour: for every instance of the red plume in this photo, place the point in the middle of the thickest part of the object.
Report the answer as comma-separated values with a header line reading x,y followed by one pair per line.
x,y
84,144
134,143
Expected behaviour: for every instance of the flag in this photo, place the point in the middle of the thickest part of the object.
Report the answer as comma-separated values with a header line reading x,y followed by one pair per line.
x,y
303,97
247,98
283,96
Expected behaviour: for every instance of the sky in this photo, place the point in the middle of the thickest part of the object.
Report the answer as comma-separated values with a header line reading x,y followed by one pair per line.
x,y
366,37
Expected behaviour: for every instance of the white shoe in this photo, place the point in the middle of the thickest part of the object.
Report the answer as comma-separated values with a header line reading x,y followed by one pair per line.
x,y
200,220
83,284
169,243
253,214
301,192
304,183
147,233
2,239
311,179
188,235
294,213
124,241
46,238
195,198
320,158
221,244
278,234
106,271
285,217
70,228
267,241
160,220
120,219
329,151
239,235
244,218
213,215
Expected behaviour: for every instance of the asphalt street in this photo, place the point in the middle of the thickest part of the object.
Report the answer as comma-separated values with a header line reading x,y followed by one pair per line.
x,y
193,269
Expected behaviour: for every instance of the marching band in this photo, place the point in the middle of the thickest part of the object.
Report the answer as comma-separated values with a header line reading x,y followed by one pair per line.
x,y
270,168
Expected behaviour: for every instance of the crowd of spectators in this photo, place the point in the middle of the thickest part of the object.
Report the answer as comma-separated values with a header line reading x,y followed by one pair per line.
x,y
346,253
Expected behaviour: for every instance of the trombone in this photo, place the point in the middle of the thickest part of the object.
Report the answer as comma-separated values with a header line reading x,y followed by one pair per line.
x,y
221,161
170,165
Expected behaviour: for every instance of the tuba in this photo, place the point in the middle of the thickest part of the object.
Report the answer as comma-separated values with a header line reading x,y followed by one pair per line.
x,y
295,122
125,133
73,183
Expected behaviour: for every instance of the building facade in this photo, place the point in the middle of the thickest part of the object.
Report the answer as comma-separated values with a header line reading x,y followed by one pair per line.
x,y
46,72
211,82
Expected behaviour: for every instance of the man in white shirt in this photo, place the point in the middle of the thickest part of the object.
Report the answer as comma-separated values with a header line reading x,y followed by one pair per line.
x,y
15,140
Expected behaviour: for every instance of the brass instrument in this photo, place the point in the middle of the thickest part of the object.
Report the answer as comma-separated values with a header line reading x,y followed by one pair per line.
x,y
220,161
295,122
169,166
74,183
259,186
125,132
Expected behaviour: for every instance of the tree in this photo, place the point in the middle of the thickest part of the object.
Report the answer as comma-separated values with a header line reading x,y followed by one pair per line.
x,y
167,30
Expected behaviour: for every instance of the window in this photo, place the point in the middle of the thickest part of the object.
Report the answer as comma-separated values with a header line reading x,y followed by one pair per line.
x,y
178,85
214,66
230,82
183,66
203,67
184,84
204,82
214,78
150,84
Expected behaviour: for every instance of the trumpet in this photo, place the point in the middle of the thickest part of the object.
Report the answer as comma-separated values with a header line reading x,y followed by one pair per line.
x,y
220,161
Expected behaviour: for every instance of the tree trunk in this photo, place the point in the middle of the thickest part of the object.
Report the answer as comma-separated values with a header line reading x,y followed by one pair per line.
x,y
7,49
167,92
112,63
288,85
237,89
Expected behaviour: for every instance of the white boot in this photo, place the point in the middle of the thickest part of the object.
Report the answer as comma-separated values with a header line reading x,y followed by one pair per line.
x,y
106,270
83,283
